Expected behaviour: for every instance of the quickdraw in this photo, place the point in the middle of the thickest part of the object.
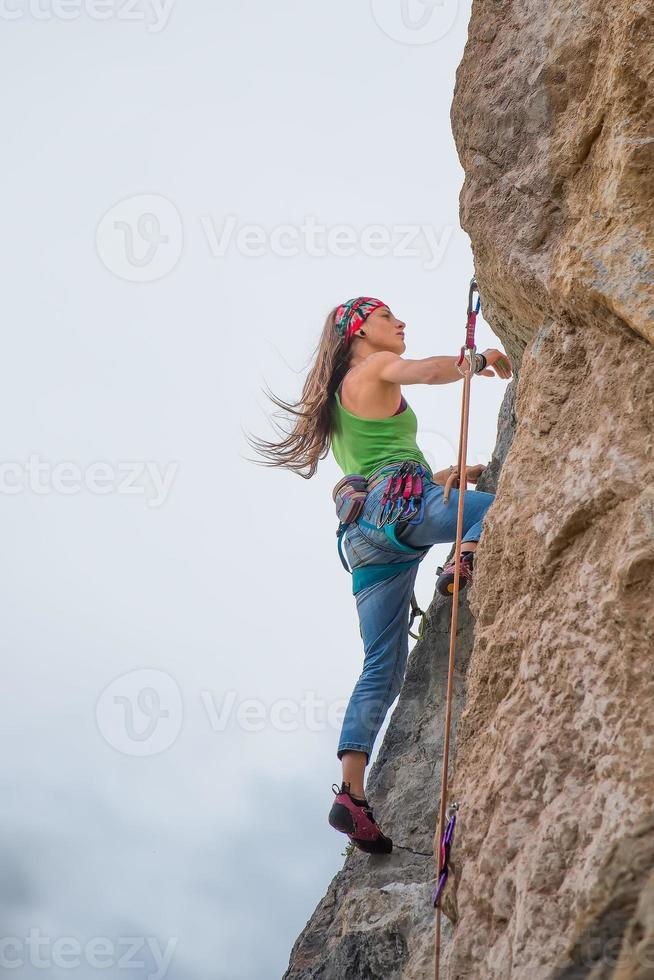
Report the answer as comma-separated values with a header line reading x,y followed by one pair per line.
x,y
403,498
469,351
446,844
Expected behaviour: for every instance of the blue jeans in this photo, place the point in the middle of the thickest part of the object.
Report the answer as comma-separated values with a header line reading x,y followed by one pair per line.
x,y
383,607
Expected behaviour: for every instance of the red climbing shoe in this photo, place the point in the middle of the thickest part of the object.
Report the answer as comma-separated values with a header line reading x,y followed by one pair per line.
x,y
445,580
357,822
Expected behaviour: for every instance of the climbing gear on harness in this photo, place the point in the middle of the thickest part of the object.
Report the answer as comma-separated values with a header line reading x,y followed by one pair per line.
x,y
358,822
446,575
403,497
469,352
349,495
446,844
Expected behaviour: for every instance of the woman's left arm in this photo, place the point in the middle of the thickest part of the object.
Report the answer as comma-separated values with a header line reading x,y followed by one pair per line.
x,y
451,475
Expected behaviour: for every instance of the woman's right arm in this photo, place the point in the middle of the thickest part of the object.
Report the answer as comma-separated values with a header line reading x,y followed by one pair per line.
x,y
388,366
438,370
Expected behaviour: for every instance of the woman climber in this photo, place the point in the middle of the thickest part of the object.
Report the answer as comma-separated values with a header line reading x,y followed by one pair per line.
x,y
350,403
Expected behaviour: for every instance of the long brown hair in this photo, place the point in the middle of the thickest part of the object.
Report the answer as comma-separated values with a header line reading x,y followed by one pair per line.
x,y
309,439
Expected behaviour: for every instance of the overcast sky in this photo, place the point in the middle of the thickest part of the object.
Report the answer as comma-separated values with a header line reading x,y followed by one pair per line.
x,y
188,189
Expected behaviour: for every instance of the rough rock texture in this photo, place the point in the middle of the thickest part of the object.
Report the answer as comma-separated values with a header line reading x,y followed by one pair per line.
x,y
552,117
554,750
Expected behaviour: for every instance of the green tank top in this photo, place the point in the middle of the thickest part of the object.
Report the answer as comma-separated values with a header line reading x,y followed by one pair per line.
x,y
363,445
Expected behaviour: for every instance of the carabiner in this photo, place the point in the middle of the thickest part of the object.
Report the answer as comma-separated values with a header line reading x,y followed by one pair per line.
x,y
446,844
416,611
390,495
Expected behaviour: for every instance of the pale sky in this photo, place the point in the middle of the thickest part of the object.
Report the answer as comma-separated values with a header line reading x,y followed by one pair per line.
x,y
189,189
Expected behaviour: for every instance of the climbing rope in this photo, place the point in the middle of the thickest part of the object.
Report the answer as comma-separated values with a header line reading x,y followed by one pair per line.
x,y
445,834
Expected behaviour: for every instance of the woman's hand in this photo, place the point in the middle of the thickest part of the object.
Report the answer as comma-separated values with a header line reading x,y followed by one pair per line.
x,y
473,472
498,360
472,475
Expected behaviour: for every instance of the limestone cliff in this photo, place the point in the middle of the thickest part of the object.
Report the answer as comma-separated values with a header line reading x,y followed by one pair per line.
x,y
554,743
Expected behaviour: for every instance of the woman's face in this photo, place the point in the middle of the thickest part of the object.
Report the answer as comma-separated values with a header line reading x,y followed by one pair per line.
x,y
384,331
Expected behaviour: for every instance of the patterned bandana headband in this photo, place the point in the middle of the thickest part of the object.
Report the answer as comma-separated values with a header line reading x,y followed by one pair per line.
x,y
350,316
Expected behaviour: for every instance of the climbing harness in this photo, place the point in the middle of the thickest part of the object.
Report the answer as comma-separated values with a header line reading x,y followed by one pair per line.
x,y
446,833
402,501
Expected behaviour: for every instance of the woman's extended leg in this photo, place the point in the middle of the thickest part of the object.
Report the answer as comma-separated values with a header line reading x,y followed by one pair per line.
x,y
383,610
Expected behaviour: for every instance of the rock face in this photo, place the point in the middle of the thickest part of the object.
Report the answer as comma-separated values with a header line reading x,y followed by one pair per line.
x,y
552,116
554,744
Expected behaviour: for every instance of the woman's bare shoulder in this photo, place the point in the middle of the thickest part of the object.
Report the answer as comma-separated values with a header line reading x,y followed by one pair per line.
x,y
364,393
